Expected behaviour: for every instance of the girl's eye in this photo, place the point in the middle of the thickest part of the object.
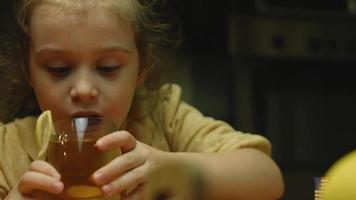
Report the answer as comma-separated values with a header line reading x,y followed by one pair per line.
x,y
59,71
108,65
107,69
58,67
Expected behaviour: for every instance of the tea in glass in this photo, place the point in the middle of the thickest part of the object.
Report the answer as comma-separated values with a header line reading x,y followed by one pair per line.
x,y
73,153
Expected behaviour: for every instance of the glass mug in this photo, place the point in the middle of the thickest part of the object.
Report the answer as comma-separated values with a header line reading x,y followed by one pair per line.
x,y
73,153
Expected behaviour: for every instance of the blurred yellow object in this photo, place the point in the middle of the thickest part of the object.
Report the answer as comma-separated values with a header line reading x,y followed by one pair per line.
x,y
341,184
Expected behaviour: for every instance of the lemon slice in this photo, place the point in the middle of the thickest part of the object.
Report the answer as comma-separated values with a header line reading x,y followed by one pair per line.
x,y
44,130
83,191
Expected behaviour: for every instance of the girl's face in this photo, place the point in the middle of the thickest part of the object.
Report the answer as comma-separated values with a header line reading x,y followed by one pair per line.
x,y
83,65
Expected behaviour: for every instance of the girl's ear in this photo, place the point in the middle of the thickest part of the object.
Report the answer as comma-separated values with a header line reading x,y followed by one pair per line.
x,y
28,76
29,80
142,75
145,65
25,66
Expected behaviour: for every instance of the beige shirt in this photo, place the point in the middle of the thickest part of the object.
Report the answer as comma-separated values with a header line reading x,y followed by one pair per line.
x,y
172,126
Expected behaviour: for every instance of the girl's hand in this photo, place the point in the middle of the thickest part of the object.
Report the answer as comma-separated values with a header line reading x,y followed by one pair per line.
x,y
127,173
40,177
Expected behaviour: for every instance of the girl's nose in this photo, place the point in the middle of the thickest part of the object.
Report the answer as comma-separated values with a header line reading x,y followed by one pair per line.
x,y
84,91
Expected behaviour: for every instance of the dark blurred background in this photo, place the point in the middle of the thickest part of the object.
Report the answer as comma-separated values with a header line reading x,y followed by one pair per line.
x,y
285,69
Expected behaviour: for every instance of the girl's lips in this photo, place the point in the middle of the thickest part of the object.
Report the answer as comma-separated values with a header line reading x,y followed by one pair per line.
x,y
88,114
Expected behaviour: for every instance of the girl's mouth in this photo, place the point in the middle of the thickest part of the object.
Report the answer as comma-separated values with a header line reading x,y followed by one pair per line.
x,y
92,121
87,124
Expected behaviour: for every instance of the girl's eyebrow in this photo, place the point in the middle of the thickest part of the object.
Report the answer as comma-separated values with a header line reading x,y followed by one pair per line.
x,y
49,50
113,48
55,50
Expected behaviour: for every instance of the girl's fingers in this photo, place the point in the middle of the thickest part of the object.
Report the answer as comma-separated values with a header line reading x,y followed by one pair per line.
x,y
120,139
137,193
126,182
32,181
44,168
118,167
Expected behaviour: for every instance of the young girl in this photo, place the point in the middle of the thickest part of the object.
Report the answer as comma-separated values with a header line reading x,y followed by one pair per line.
x,y
100,58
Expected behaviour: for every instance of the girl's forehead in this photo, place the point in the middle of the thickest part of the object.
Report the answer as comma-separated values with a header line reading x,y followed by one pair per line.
x,y
80,9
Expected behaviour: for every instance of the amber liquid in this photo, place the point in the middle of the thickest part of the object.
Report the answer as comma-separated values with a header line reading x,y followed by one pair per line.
x,y
76,164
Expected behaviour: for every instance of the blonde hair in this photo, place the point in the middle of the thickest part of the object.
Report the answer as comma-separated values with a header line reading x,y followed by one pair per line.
x,y
154,38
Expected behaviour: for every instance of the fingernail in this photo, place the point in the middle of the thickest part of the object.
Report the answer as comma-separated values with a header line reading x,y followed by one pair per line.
x,y
58,186
107,189
98,177
57,176
98,143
